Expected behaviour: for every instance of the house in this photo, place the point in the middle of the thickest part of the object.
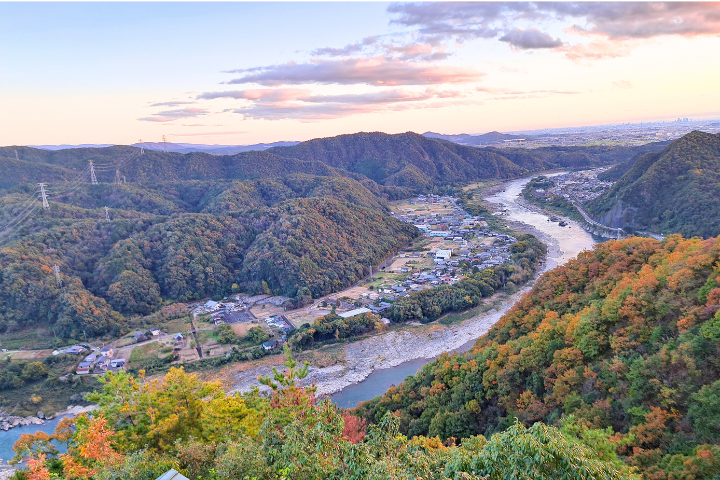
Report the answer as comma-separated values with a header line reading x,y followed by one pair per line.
x,y
380,308
91,358
140,336
178,337
117,363
103,360
172,474
107,351
154,331
269,345
83,368
210,305
443,254
74,350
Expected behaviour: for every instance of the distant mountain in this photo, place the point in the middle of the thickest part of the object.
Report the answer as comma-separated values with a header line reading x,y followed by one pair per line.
x,y
676,190
474,140
211,149
179,147
387,164
66,147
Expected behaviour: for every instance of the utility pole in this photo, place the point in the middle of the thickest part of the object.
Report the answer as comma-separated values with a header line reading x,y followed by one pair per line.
x,y
93,178
56,270
117,177
43,195
107,214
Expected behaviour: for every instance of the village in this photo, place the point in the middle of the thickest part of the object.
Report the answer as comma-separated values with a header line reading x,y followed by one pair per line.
x,y
581,186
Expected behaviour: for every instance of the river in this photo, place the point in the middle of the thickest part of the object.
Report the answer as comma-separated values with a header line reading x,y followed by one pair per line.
x,y
563,244
8,438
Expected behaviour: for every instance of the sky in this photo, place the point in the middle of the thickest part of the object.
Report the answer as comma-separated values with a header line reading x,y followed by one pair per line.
x,y
245,73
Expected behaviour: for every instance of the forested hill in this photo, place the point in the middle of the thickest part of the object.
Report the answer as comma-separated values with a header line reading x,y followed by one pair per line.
x,y
400,162
299,236
676,190
625,337
412,160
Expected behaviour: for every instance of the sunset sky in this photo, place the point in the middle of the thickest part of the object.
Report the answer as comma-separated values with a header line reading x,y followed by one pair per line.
x,y
242,73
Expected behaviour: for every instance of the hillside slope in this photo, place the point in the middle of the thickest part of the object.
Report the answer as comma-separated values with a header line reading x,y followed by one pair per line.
x,y
625,337
297,236
676,190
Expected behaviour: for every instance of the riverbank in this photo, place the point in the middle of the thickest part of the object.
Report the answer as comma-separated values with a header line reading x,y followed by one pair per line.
x,y
389,350
8,421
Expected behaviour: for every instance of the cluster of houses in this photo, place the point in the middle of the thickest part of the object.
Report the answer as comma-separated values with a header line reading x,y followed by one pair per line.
x,y
582,186
230,311
452,226
99,360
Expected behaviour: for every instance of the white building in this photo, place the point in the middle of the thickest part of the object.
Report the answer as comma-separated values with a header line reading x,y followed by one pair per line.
x,y
443,254
352,313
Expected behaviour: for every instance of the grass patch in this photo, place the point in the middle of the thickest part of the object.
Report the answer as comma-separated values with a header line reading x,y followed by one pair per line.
x,y
206,336
34,339
144,353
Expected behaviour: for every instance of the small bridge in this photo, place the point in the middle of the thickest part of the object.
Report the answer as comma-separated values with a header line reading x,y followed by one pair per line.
x,y
595,227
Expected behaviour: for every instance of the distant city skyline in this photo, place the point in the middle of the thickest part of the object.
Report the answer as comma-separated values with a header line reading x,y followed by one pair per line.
x,y
246,73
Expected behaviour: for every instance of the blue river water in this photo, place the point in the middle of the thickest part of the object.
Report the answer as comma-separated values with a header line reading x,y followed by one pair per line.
x,y
8,439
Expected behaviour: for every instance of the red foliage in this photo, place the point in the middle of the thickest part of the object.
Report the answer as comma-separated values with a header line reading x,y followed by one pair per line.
x,y
354,429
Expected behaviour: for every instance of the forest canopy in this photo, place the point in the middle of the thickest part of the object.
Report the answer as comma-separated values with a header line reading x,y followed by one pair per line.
x,y
623,339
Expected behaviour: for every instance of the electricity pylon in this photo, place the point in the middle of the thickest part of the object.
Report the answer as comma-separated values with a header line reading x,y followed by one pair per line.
x,y
43,195
107,214
56,270
93,178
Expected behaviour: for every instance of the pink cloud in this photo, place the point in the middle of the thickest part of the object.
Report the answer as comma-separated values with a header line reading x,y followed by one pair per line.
x,y
354,71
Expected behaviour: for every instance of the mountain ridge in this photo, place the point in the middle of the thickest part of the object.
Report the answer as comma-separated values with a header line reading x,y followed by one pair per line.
x,y
675,190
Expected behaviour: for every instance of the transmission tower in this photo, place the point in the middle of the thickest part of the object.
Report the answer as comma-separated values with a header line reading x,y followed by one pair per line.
x,y
142,147
93,178
56,270
164,144
107,214
43,195
16,156
117,177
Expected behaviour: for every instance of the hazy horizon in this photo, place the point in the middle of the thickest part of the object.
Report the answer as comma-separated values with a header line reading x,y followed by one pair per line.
x,y
248,73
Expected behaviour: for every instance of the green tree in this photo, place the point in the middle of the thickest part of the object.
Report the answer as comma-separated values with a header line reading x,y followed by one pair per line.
x,y
34,371
225,334
256,335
